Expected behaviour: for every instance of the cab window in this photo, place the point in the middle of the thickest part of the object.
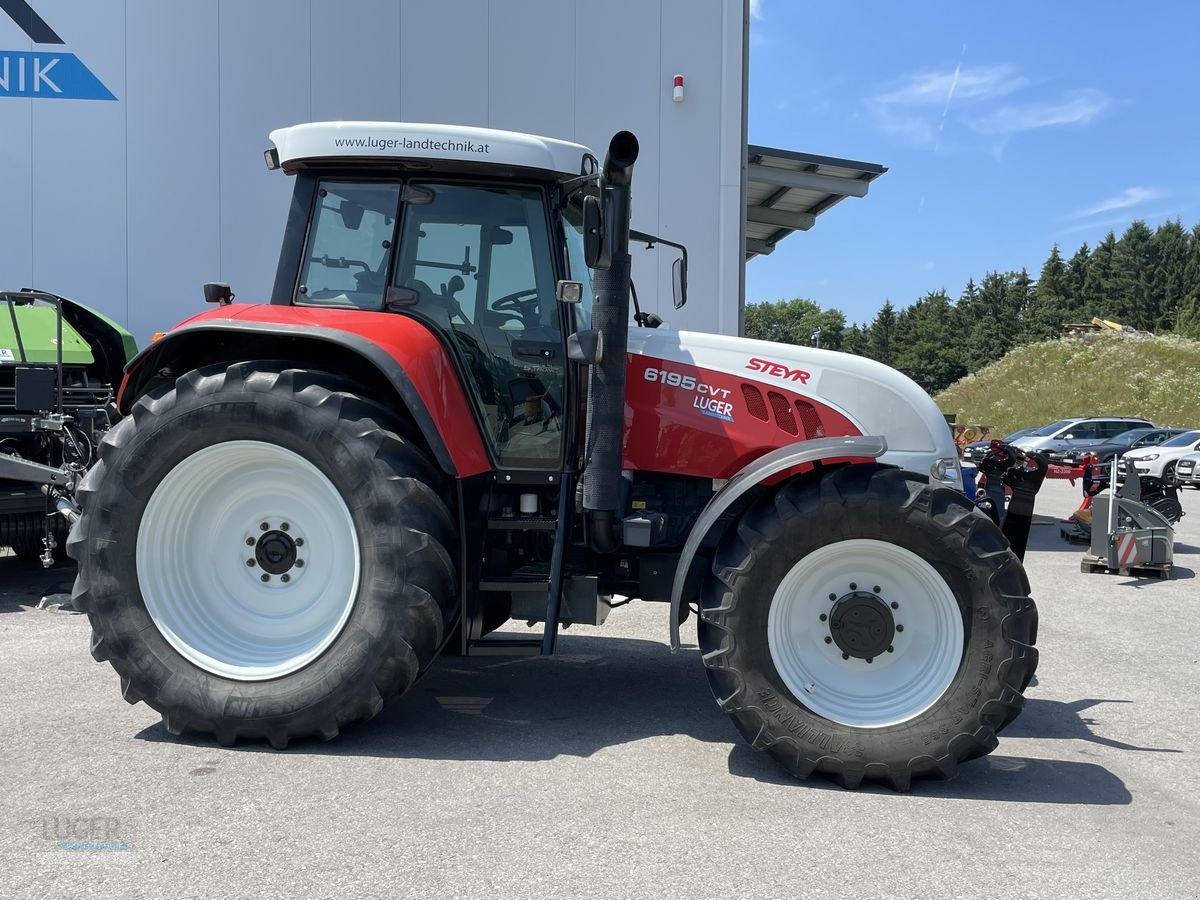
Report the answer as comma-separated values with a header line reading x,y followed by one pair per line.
x,y
349,245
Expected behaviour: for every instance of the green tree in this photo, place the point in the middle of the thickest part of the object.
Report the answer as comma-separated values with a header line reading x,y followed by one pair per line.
x,y
1188,323
1077,270
1098,288
1168,280
1133,266
856,340
881,334
1050,304
794,321
924,347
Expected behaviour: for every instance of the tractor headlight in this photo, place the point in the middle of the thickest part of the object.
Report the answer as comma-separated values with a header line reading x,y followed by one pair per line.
x,y
946,471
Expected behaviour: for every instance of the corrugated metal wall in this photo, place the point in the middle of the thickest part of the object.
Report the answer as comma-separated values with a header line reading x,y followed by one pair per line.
x,y
131,205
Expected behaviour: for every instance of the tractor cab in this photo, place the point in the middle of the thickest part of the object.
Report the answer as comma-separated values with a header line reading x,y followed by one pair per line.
x,y
470,231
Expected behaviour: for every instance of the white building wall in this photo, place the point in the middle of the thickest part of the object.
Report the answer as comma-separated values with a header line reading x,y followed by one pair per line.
x,y
130,205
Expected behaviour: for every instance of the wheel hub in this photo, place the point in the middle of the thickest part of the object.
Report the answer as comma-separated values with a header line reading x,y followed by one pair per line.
x,y
862,625
275,552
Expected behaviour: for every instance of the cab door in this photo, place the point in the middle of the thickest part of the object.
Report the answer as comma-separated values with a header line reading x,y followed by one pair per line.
x,y
476,261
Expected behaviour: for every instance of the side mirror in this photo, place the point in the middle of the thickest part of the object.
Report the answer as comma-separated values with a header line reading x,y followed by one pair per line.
x,y
218,292
352,214
679,281
595,254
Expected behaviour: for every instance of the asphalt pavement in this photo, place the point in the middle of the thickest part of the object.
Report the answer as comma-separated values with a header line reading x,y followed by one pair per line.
x,y
608,771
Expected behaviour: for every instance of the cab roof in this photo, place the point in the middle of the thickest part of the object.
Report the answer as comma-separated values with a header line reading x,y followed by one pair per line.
x,y
400,142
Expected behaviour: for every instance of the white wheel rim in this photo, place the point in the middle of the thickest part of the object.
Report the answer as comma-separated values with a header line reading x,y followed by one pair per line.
x,y
895,687
201,527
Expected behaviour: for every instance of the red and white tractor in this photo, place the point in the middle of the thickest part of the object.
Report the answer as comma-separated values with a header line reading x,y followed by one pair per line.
x,y
443,420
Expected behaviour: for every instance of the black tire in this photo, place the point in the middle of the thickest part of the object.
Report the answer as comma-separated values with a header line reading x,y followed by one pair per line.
x,y
940,526
404,604
1168,475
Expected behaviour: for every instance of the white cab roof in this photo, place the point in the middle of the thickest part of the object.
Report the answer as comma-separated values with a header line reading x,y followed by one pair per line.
x,y
407,140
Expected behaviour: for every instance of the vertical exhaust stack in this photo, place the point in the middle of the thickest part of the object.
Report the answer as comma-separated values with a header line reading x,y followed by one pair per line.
x,y
610,317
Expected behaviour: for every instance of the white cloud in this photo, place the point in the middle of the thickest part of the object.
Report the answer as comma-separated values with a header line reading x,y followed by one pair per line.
x,y
1074,108
1132,196
969,85
909,108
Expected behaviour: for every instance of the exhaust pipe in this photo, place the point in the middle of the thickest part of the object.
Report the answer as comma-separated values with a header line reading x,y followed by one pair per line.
x,y
610,317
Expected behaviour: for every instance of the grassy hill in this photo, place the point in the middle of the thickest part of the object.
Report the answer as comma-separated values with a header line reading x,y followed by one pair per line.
x,y
1093,375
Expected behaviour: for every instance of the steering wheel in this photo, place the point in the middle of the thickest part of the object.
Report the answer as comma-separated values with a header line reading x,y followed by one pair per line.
x,y
513,303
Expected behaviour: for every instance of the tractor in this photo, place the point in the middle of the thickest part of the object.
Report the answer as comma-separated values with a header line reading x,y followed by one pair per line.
x,y
444,421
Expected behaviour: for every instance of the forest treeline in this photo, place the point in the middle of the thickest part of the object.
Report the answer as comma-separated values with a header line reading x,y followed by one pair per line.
x,y
1147,279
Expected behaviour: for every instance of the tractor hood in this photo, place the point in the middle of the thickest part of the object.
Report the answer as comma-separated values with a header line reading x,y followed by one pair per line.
x,y
702,391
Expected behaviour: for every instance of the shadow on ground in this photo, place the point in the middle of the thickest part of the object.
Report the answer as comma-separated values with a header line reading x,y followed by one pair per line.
x,y
1059,719
603,692
22,584
1012,779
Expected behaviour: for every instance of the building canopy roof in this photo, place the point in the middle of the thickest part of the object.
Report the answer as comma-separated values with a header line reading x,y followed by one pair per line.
x,y
787,190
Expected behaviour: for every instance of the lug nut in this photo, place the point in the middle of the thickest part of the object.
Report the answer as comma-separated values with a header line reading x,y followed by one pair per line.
x,y
265,578
877,589
299,542
845,656
870,659
828,639
250,563
263,526
285,527
899,627
249,542
833,596
285,577
853,586
891,649
895,605
300,565
824,617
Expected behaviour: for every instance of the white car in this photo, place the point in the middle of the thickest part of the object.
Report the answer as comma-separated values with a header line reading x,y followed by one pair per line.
x,y
1187,470
1161,461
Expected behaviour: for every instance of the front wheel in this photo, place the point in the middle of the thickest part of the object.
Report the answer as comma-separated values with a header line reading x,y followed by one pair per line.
x,y
867,625
261,555
1168,475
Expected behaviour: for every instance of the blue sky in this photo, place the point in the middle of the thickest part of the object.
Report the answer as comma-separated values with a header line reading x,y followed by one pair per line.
x,y
1005,128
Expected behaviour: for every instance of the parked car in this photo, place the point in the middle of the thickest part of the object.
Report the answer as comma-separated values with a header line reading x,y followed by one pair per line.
x,y
1134,439
976,450
1187,471
1160,461
1076,432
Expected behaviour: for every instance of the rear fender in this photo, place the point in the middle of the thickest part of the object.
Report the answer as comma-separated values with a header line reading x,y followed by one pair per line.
x,y
410,371
762,469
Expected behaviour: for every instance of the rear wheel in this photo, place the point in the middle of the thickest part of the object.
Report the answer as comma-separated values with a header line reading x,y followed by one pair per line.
x,y
261,555
866,625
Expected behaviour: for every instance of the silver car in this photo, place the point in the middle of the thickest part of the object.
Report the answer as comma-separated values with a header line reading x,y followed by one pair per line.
x,y
1080,431
1187,470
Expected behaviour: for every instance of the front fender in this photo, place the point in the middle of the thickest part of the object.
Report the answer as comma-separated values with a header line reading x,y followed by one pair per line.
x,y
401,352
789,457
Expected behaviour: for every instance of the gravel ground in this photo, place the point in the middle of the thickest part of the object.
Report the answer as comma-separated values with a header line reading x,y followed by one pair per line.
x,y
608,771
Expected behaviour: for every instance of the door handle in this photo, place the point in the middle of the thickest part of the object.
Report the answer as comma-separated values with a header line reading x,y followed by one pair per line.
x,y
535,349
